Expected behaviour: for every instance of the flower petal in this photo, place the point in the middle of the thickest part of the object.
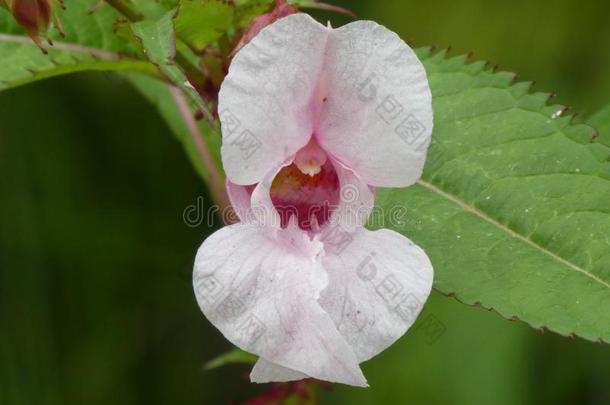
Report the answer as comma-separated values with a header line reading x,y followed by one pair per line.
x,y
356,201
253,203
265,371
264,102
239,197
262,208
377,286
359,88
259,286
377,115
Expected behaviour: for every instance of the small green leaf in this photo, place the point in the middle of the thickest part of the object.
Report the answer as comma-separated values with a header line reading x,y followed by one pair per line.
x,y
159,44
89,44
24,63
230,357
157,38
199,23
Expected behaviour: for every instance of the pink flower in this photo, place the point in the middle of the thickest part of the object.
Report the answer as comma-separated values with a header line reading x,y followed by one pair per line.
x,y
313,118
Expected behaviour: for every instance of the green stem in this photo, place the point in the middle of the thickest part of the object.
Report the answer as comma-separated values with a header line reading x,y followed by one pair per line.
x,y
217,183
192,71
225,47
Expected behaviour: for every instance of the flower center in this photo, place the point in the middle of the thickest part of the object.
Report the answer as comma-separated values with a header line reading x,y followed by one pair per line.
x,y
307,189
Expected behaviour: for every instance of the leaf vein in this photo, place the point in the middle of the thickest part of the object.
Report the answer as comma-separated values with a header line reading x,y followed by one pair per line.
x,y
471,209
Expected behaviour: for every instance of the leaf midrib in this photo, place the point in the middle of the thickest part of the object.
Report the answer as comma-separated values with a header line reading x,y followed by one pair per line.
x,y
65,46
101,60
482,215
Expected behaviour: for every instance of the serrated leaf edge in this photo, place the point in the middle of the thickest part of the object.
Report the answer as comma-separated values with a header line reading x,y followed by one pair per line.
x,y
442,53
100,57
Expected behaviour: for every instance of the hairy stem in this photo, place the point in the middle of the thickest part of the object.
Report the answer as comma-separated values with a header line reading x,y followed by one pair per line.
x,y
217,186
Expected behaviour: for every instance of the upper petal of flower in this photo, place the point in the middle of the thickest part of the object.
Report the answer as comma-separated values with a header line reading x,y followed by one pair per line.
x,y
377,116
264,102
260,290
360,89
377,287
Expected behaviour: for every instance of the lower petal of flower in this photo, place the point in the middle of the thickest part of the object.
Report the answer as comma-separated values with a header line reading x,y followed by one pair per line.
x,y
378,284
259,286
265,371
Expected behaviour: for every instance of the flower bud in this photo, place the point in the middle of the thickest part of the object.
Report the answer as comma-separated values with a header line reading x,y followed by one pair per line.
x,y
33,15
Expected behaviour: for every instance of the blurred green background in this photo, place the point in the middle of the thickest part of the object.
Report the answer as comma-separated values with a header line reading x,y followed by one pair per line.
x,y
96,304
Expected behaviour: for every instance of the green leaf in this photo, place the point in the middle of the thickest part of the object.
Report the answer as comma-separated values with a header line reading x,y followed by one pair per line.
x,y
157,38
159,43
514,204
601,121
230,357
201,22
89,44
